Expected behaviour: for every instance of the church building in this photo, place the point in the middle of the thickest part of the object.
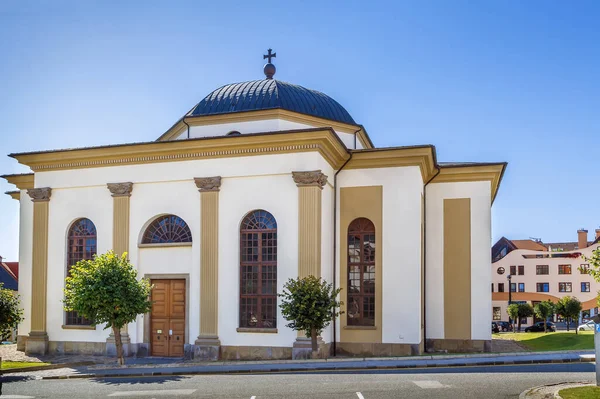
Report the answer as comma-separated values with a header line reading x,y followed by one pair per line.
x,y
262,181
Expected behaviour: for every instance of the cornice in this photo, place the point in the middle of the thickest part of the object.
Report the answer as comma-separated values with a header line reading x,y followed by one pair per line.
x,y
16,195
423,157
324,141
275,113
491,172
23,181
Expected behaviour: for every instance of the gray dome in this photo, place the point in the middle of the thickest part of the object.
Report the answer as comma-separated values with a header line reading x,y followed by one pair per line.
x,y
269,94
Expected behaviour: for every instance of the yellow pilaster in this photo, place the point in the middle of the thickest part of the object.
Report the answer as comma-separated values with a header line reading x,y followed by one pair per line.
x,y
208,339
37,342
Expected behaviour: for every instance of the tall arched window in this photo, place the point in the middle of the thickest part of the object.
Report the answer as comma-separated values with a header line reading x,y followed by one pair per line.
x,y
167,229
258,271
81,246
361,273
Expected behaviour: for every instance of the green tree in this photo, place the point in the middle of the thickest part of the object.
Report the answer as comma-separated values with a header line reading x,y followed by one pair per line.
x,y
309,304
518,311
543,310
10,312
106,290
569,307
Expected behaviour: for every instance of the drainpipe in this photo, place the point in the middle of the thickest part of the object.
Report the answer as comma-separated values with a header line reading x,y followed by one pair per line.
x,y
188,127
425,257
335,238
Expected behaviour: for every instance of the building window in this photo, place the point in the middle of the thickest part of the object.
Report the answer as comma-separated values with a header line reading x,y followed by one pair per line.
x,y
500,287
542,287
258,270
233,133
521,287
521,270
492,287
585,287
500,270
513,270
81,246
541,269
496,313
584,268
361,273
513,287
564,269
565,287
167,229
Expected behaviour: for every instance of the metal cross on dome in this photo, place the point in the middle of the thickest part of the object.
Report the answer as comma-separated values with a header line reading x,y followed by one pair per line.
x,y
269,55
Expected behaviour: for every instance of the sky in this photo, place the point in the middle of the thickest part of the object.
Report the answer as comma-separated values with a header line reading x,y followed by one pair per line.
x,y
483,81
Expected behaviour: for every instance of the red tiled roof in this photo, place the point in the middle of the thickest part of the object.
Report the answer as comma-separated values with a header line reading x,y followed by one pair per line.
x,y
13,267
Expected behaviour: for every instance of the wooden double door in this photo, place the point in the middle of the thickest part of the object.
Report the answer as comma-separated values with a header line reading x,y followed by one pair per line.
x,y
167,318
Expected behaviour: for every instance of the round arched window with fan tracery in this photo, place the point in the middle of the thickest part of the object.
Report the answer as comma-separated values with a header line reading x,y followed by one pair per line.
x,y
167,229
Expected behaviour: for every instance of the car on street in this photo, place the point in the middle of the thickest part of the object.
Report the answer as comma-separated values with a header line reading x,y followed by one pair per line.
x,y
539,327
589,326
504,326
495,328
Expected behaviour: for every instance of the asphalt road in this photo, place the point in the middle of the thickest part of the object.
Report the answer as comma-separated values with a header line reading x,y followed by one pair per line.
x,y
467,382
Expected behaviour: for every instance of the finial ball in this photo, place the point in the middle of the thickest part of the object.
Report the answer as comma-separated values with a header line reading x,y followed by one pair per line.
x,y
269,70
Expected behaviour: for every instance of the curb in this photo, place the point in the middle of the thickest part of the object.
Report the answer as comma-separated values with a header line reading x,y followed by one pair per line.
x,y
311,369
45,367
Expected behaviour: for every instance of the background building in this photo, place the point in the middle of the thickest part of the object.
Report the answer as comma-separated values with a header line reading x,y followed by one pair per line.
x,y
541,271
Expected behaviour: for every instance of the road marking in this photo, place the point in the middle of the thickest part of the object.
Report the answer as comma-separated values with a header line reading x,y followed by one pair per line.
x,y
360,395
252,397
430,384
166,392
17,397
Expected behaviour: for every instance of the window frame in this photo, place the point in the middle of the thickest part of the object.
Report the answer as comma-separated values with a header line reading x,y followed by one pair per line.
x,y
587,285
364,229
565,284
513,287
521,270
258,226
564,269
542,268
71,318
521,287
500,287
496,313
546,285
178,232
513,270
584,268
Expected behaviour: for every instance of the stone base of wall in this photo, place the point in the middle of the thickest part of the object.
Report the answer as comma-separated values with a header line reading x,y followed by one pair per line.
x,y
255,352
377,349
21,339
458,345
302,349
95,349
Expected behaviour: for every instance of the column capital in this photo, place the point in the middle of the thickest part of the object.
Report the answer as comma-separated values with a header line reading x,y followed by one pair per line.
x,y
120,189
208,183
310,178
40,194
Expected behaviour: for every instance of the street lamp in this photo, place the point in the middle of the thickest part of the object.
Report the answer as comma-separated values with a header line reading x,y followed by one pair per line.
x,y
509,277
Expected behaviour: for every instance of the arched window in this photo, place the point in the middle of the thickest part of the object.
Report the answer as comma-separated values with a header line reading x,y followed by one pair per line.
x,y
258,271
361,273
167,229
233,133
81,246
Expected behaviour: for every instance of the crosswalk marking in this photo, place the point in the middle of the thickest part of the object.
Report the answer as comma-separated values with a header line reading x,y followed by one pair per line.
x,y
430,384
360,395
164,392
17,397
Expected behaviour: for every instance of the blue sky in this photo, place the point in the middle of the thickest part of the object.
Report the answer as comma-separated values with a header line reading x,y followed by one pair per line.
x,y
483,81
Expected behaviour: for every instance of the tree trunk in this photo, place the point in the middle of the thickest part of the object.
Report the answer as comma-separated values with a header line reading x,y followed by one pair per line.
x,y
545,326
567,320
119,345
519,325
313,341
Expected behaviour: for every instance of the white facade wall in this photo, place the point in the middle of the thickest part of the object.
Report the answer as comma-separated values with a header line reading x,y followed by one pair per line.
x,y
262,126
248,183
402,189
480,195
25,259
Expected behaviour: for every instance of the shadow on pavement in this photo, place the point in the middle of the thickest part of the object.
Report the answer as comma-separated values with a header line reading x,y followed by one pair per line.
x,y
159,379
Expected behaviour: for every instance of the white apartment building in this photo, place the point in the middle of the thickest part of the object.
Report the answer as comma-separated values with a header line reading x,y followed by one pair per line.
x,y
539,272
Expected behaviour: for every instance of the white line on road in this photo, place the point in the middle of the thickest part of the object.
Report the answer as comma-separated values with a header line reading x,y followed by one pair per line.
x,y
17,397
360,395
252,397
165,392
430,384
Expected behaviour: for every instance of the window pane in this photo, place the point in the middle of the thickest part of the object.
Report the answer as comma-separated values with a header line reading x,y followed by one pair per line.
x,y
361,273
167,229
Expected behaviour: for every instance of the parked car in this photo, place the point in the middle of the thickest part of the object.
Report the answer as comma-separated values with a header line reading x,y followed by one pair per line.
x,y
539,327
589,326
504,326
495,328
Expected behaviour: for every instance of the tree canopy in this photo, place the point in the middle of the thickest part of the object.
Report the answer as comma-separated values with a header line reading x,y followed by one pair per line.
x,y
309,304
519,310
10,312
543,310
569,307
106,290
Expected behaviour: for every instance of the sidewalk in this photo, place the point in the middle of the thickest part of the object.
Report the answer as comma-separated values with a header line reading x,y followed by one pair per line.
x,y
338,364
